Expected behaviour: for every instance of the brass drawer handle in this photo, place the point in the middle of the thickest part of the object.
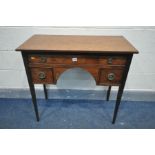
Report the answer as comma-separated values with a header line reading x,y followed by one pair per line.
x,y
32,58
43,59
110,60
42,75
111,76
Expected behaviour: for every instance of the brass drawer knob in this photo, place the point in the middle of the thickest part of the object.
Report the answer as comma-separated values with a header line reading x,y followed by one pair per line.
x,y
43,59
42,75
110,60
111,76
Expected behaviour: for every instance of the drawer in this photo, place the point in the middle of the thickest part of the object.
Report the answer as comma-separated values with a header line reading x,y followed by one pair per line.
x,y
73,60
113,60
42,75
111,76
63,60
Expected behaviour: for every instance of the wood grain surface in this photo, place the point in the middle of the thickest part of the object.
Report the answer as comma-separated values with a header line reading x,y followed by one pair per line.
x,y
75,43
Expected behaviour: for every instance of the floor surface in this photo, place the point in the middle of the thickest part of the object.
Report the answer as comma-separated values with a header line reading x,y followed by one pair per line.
x,y
75,114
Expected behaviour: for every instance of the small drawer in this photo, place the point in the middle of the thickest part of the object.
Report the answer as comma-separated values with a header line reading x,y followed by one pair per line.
x,y
63,60
111,76
113,60
42,75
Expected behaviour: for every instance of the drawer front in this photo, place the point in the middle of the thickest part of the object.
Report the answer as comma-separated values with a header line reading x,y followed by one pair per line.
x,y
42,75
63,60
102,60
110,76
113,60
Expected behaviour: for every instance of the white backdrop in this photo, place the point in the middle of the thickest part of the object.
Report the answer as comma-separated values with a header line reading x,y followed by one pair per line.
x,y
141,75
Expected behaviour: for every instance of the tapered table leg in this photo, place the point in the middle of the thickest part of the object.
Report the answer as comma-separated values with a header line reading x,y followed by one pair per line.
x,y
31,85
108,93
119,96
34,101
121,88
45,91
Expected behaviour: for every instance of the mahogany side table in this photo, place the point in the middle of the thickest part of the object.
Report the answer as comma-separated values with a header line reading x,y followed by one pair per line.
x,y
106,58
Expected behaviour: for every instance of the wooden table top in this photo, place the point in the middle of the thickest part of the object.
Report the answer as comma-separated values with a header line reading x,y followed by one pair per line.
x,y
77,43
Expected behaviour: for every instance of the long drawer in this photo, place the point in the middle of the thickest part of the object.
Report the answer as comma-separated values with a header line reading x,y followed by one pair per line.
x,y
73,60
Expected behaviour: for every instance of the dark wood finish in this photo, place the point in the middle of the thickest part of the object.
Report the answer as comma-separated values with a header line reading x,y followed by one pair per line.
x,y
70,43
105,73
76,59
63,59
45,91
106,58
121,88
108,93
42,75
113,60
31,85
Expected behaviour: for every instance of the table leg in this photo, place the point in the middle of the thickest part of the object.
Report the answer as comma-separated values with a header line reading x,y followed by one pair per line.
x,y
108,93
119,96
45,91
121,88
34,101
31,85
